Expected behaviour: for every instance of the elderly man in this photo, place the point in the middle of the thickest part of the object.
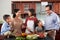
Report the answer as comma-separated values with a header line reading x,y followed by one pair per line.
x,y
51,22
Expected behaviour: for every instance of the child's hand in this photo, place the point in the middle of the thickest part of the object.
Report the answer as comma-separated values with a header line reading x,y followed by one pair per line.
x,y
41,35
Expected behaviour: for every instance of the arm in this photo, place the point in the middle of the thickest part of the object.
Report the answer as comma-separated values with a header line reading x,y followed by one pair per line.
x,y
5,28
35,24
36,30
29,30
57,22
26,25
12,26
26,22
2,29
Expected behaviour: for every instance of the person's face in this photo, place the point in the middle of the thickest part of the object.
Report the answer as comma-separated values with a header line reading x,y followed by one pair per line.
x,y
40,24
8,19
48,11
18,13
29,13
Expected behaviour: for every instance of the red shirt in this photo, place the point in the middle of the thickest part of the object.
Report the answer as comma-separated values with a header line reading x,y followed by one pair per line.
x,y
32,18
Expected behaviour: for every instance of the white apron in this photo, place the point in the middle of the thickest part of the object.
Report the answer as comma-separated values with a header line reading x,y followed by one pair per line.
x,y
30,25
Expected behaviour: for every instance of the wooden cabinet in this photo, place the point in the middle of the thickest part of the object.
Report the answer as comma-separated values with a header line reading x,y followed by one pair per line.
x,y
51,0
23,7
58,35
56,8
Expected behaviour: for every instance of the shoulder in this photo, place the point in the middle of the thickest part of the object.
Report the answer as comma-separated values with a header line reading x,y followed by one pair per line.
x,y
4,24
28,18
20,18
12,20
37,27
35,18
54,14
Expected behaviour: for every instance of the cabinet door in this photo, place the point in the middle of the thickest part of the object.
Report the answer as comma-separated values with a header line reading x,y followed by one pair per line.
x,y
28,6
23,6
56,7
33,5
59,8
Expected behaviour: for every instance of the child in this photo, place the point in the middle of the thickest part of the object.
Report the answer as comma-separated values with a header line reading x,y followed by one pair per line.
x,y
30,22
5,29
40,30
40,27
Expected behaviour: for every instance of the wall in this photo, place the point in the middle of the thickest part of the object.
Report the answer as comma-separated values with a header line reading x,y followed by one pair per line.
x,y
5,8
26,0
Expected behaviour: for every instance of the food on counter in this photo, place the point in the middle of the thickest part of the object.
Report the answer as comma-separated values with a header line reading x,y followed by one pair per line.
x,y
42,35
20,38
24,34
35,36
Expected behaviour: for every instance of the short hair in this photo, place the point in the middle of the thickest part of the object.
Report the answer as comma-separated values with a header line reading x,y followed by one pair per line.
x,y
5,17
32,11
38,21
50,6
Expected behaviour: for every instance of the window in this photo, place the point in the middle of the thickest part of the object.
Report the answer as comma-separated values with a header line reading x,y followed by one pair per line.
x,y
26,7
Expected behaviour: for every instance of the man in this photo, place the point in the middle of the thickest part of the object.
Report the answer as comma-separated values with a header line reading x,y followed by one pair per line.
x,y
51,22
5,29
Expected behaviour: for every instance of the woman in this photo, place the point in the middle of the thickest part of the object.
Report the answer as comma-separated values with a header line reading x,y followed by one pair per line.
x,y
17,22
30,22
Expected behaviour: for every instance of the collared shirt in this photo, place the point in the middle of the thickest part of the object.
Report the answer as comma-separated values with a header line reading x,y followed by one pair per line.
x,y
5,27
51,21
59,21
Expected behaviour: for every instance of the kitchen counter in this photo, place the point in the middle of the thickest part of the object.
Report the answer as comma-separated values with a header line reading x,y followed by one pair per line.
x,y
57,35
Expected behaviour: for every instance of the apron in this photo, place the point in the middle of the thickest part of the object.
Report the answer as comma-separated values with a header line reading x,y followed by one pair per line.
x,y
30,25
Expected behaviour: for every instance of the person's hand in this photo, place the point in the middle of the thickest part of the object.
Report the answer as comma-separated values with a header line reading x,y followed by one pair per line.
x,y
41,35
50,32
30,30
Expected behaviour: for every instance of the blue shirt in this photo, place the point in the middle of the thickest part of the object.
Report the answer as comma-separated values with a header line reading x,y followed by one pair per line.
x,y
5,27
51,22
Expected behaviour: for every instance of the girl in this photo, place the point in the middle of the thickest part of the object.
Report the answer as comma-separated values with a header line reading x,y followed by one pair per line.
x,y
40,31
30,22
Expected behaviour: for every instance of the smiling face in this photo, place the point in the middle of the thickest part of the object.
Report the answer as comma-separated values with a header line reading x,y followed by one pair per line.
x,y
8,19
40,24
48,10
18,13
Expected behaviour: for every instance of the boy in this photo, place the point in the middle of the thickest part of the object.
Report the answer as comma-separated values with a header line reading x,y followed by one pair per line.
x,y
5,29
